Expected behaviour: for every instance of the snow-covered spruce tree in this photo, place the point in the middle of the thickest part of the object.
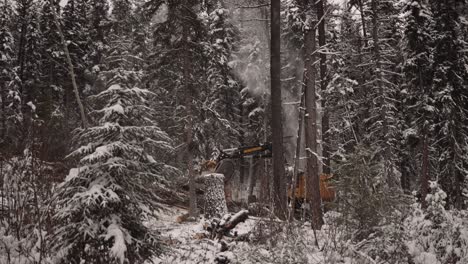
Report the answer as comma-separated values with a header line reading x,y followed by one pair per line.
x,y
343,93
173,73
196,84
102,202
76,30
368,73
9,93
29,65
418,104
54,92
383,87
221,107
362,93
451,96
98,25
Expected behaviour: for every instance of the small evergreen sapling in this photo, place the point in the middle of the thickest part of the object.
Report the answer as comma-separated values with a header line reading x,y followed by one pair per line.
x,y
102,203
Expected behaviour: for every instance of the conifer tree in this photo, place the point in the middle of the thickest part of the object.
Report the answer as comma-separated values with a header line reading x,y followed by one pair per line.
x,y
210,42
419,102
76,30
102,203
221,107
9,94
98,29
451,94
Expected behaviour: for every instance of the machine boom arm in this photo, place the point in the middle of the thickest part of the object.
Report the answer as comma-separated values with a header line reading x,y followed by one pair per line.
x,y
258,151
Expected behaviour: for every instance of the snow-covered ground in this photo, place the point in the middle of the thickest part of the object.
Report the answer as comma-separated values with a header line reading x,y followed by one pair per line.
x,y
184,243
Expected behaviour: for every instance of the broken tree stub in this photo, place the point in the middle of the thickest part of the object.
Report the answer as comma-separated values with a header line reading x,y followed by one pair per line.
x,y
214,196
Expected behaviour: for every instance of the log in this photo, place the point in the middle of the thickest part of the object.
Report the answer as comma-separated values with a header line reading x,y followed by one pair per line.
x,y
220,228
214,196
230,222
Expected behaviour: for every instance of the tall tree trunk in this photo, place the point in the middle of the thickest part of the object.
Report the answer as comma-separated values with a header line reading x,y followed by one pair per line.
x,y
312,177
193,210
323,88
279,183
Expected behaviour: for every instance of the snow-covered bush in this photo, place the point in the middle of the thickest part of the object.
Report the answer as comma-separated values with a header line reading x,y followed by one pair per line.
x,y
386,243
103,201
363,199
437,235
275,242
370,213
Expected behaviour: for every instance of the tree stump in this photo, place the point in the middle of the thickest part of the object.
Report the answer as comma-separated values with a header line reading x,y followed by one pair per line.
x,y
214,196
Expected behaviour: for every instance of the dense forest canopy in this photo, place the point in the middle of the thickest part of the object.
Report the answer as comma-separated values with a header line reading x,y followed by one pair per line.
x,y
110,110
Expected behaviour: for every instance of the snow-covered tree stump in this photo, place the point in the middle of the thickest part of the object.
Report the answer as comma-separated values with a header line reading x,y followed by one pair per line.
x,y
215,199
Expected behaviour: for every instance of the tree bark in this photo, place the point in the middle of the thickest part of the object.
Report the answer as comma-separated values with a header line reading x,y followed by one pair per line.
x,y
193,210
279,183
323,87
312,176
71,70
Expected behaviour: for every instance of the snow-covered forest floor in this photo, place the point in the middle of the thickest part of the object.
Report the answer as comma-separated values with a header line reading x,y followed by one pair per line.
x,y
185,243
433,236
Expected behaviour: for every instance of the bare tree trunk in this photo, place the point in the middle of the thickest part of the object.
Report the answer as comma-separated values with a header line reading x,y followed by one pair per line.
x,y
323,88
71,70
312,178
193,211
279,183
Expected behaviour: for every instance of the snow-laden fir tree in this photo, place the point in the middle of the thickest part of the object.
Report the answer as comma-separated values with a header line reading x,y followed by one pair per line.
x,y
418,102
29,64
9,93
76,30
382,87
221,108
451,96
192,45
103,201
98,25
